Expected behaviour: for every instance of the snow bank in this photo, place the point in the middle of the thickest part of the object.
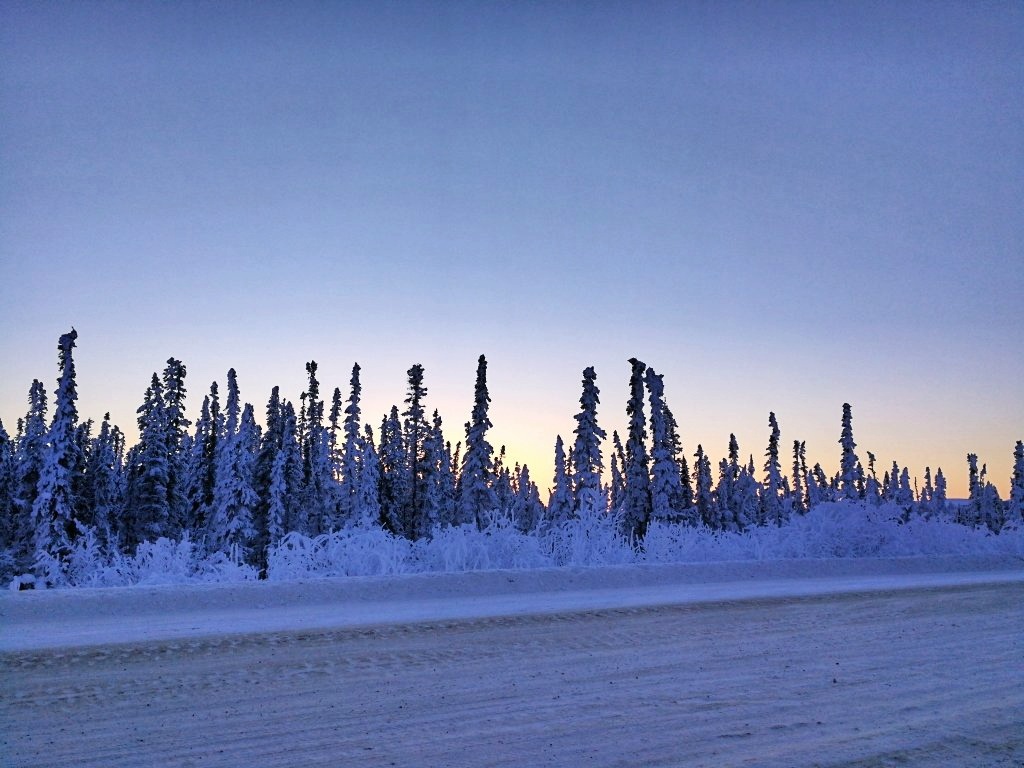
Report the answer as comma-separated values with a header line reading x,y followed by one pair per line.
x,y
830,530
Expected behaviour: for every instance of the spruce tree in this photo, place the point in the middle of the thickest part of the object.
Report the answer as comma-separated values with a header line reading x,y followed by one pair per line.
x,y
147,510
799,478
317,474
350,454
476,496
1015,513
706,507
231,529
773,503
588,462
30,454
173,381
636,502
416,431
438,497
617,487
560,504
666,489
54,513
368,507
395,479
848,459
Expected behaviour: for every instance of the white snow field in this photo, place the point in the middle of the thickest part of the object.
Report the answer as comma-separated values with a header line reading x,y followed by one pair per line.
x,y
869,662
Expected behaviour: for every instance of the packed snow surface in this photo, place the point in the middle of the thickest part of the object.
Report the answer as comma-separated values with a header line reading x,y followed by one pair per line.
x,y
775,663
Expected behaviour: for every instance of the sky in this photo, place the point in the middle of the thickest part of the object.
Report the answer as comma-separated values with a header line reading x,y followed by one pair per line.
x,y
779,206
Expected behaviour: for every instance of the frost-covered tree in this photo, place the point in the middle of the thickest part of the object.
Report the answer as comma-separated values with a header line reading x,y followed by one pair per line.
x,y
773,501
368,507
872,491
502,484
588,462
527,509
1015,513
705,500
799,477
177,438
636,501
560,504
30,454
54,510
476,497
350,453
438,498
848,476
416,430
666,489
617,485
939,497
395,479
318,495
333,435
8,485
104,494
230,528
147,510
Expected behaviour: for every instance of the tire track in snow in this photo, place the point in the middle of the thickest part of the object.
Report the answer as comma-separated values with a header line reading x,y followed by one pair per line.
x,y
926,676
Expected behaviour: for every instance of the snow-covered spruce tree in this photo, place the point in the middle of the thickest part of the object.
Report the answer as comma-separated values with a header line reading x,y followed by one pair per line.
x,y
705,500
395,479
560,504
147,511
8,480
230,528
726,502
174,391
104,485
334,437
799,477
54,511
939,497
30,453
970,513
438,499
617,485
925,504
368,509
290,461
476,497
1015,512
416,431
848,477
318,495
636,500
773,502
350,452
527,509
588,462
202,463
270,483
666,490
502,485
872,491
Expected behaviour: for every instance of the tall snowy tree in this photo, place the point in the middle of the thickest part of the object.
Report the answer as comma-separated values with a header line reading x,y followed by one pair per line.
x,y
350,453
104,486
560,504
230,529
173,381
773,503
666,490
368,508
8,492
636,502
799,477
939,497
438,498
705,500
395,477
416,431
146,506
318,495
588,463
848,477
1015,513
477,500
54,513
617,486
30,455
527,509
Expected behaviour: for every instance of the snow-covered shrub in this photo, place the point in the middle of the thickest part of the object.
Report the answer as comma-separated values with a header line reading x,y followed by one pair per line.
x,y
465,548
348,552
588,540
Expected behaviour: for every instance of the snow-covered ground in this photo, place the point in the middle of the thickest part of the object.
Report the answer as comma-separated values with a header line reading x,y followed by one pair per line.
x,y
802,662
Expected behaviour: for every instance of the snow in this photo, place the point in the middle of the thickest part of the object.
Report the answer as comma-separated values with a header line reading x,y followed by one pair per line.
x,y
773,663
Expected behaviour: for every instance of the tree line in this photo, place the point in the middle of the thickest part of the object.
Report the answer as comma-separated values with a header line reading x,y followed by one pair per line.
x,y
315,466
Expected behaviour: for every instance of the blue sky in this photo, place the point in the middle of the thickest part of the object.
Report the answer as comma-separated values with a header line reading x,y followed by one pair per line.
x,y
780,206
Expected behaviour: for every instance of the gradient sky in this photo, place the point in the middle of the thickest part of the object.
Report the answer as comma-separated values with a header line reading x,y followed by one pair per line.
x,y
780,206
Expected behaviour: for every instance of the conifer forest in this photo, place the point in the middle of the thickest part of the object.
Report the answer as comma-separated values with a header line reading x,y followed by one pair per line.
x,y
238,495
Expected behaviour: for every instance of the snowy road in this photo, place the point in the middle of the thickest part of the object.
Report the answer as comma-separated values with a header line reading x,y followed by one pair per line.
x,y
926,675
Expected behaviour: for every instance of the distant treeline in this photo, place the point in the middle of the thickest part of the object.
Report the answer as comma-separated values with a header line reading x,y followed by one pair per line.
x,y
238,488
